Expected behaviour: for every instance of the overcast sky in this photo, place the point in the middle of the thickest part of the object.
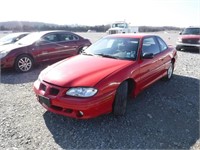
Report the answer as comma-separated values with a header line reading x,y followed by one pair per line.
x,y
180,13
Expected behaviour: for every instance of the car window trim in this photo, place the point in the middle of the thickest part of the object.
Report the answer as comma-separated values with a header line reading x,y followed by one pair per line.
x,y
59,34
154,37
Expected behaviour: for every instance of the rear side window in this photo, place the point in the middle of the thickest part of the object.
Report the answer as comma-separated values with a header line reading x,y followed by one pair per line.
x,y
163,45
150,46
68,37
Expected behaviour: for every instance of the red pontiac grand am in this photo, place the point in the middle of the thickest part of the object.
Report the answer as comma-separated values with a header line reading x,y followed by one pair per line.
x,y
100,80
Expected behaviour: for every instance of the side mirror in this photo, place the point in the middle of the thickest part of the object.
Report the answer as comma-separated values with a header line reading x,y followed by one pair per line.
x,y
147,55
180,33
17,39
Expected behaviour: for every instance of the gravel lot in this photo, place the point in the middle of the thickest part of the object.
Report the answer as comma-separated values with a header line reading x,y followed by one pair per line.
x,y
164,116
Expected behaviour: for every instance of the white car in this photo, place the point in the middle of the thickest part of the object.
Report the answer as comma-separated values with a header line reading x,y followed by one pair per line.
x,y
12,38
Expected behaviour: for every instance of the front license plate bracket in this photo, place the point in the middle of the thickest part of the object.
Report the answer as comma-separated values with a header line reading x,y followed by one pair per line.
x,y
44,100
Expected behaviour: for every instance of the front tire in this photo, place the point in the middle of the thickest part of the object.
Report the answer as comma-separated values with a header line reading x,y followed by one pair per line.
x,y
23,63
119,106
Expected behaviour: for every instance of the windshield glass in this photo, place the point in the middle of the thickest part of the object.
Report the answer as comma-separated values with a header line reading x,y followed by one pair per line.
x,y
9,38
118,48
195,31
119,25
29,39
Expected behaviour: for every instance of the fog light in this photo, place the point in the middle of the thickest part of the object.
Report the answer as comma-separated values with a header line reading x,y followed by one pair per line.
x,y
79,114
68,110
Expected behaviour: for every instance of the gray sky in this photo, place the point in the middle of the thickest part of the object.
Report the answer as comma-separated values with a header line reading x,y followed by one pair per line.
x,y
180,13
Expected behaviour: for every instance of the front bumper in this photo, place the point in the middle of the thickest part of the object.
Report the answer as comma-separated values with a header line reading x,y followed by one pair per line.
x,y
7,62
80,108
186,45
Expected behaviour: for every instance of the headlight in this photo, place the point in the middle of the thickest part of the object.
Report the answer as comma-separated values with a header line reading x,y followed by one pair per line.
x,y
81,92
3,54
179,40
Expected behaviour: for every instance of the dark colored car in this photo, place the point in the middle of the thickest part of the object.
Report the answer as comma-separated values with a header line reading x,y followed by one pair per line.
x,y
100,80
12,38
189,39
39,47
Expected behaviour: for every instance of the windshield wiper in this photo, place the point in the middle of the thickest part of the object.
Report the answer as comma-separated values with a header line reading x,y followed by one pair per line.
x,y
108,56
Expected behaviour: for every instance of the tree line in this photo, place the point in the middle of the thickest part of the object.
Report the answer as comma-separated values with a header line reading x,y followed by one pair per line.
x,y
28,28
78,28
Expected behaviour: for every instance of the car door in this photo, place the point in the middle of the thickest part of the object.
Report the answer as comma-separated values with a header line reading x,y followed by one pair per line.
x,y
150,69
47,47
68,45
165,57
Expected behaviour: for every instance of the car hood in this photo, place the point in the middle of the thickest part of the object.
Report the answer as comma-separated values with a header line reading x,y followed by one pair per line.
x,y
190,36
10,47
4,43
82,70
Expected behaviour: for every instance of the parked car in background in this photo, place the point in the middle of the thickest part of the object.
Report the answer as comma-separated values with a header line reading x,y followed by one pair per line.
x,y
189,39
39,47
12,38
100,80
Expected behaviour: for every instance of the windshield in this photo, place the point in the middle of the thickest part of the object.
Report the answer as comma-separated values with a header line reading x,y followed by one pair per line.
x,y
29,39
9,38
195,31
119,25
117,48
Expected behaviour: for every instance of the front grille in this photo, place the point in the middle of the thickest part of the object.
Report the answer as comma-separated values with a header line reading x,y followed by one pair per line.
x,y
53,91
43,87
112,31
191,41
57,108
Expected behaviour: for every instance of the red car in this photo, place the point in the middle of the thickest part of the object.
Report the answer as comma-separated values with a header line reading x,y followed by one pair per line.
x,y
189,39
100,80
42,46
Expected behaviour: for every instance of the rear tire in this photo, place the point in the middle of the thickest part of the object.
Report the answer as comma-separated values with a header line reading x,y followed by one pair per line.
x,y
170,71
119,106
23,63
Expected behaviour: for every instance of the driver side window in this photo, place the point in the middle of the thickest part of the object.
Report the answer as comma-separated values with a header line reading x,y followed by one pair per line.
x,y
150,46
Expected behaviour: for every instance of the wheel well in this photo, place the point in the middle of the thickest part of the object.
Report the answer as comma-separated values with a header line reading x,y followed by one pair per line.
x,y
79,49
173,60
131,85
25,54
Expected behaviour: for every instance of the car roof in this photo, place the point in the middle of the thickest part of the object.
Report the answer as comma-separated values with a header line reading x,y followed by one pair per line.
x,y
131,35
18,33
52,31
193,27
